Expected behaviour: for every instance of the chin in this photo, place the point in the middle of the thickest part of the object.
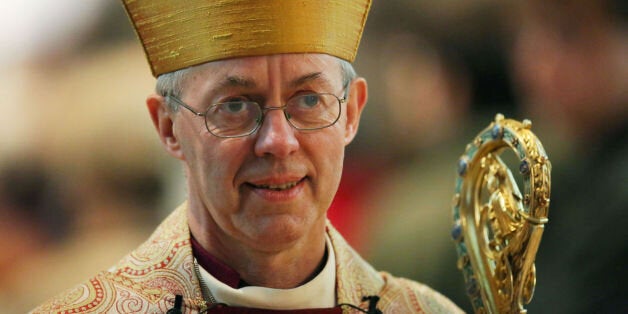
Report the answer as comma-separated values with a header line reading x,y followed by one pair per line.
x,y
279,231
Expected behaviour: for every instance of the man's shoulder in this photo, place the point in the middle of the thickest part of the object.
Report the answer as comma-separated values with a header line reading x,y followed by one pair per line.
x,y
401,295
96,295
144,281
125,289
357,279
119,292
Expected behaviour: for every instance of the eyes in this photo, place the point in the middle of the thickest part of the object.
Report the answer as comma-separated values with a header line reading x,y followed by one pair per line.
x,y
306,101
303,101
234,106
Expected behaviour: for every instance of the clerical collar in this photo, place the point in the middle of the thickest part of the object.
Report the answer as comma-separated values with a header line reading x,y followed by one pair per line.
x,y
215,267
225,285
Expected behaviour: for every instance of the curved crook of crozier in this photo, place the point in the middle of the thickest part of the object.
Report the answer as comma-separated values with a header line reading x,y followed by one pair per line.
x,y
497,229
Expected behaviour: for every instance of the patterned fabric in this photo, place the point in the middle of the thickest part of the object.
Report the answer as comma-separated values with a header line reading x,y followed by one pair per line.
x,y
147,280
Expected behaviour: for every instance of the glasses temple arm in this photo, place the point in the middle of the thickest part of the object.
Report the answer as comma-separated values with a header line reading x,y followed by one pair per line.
x,y
180,102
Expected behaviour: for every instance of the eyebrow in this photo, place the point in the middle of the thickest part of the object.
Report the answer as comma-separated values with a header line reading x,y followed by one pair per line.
x,y
236,81
316,76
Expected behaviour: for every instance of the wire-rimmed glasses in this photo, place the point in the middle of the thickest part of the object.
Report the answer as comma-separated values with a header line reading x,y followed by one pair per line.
x,y
240,118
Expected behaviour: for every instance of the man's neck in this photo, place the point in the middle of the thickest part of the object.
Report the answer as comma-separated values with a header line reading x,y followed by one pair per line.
x,y
282,268
227,275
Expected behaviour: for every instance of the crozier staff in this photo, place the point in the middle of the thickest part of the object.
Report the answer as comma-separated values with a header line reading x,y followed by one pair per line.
x,y
258,100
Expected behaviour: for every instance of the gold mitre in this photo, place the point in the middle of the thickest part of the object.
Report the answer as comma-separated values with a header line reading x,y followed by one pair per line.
x,y
177,34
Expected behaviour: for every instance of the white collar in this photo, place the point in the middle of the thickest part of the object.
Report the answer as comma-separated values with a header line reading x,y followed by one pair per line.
x,y
320,292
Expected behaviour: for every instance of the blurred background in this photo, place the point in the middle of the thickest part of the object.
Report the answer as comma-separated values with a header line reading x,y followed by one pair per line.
x,y
84,180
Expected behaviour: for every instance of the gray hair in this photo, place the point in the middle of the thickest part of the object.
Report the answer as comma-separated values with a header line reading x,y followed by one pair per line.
x,y
171,83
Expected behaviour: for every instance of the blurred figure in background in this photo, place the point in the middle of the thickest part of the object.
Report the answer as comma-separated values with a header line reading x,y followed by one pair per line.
x,y
33,212
443,72
428,101
571,68
77,164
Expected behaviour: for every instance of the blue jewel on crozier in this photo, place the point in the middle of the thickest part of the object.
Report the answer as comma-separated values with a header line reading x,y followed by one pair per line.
x,y
472,287
456,231
463,164
497,132
524,167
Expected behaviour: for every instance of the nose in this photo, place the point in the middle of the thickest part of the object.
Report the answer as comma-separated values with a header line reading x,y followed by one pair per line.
x,y
276,136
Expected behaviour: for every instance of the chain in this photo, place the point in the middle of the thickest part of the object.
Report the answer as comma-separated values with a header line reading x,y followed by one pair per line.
x,y
207,295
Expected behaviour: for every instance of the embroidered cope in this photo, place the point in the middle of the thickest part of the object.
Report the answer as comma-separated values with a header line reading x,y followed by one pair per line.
x,y
148,279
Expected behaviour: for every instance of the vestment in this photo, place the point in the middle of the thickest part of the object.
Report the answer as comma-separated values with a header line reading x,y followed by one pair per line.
x,y
147,280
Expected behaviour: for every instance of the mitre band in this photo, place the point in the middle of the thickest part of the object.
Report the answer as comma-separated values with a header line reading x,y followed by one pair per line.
x,y
177,34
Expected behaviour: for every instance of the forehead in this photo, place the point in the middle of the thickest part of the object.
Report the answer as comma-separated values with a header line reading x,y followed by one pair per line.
x,y
280,69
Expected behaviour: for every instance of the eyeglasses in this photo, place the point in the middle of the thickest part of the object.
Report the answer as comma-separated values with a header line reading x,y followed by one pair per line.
x,y
241,118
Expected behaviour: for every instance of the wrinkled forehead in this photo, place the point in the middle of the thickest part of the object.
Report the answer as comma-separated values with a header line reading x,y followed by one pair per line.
x,y
284,69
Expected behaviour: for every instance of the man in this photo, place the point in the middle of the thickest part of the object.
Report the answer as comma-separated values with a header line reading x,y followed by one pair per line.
x,y
258,100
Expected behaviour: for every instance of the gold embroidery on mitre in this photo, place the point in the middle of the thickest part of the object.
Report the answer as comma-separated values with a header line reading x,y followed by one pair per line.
x,y
177,34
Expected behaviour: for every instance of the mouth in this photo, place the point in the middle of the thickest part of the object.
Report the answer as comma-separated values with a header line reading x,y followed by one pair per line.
x,y
279,186
276,186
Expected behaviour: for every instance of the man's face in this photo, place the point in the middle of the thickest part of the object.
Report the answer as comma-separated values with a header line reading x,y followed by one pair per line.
x,y
273,186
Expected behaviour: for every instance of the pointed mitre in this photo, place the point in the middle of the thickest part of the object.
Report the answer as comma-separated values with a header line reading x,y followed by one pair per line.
x,y
177,34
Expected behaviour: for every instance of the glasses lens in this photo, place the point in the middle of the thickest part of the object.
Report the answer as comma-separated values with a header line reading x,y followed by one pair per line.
x,y
232,119
313,111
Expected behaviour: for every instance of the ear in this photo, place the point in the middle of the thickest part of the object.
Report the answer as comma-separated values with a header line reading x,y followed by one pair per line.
x,y
163,120
358,95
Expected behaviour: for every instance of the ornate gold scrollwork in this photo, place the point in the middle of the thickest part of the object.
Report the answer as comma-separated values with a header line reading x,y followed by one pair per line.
x,y
498,229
